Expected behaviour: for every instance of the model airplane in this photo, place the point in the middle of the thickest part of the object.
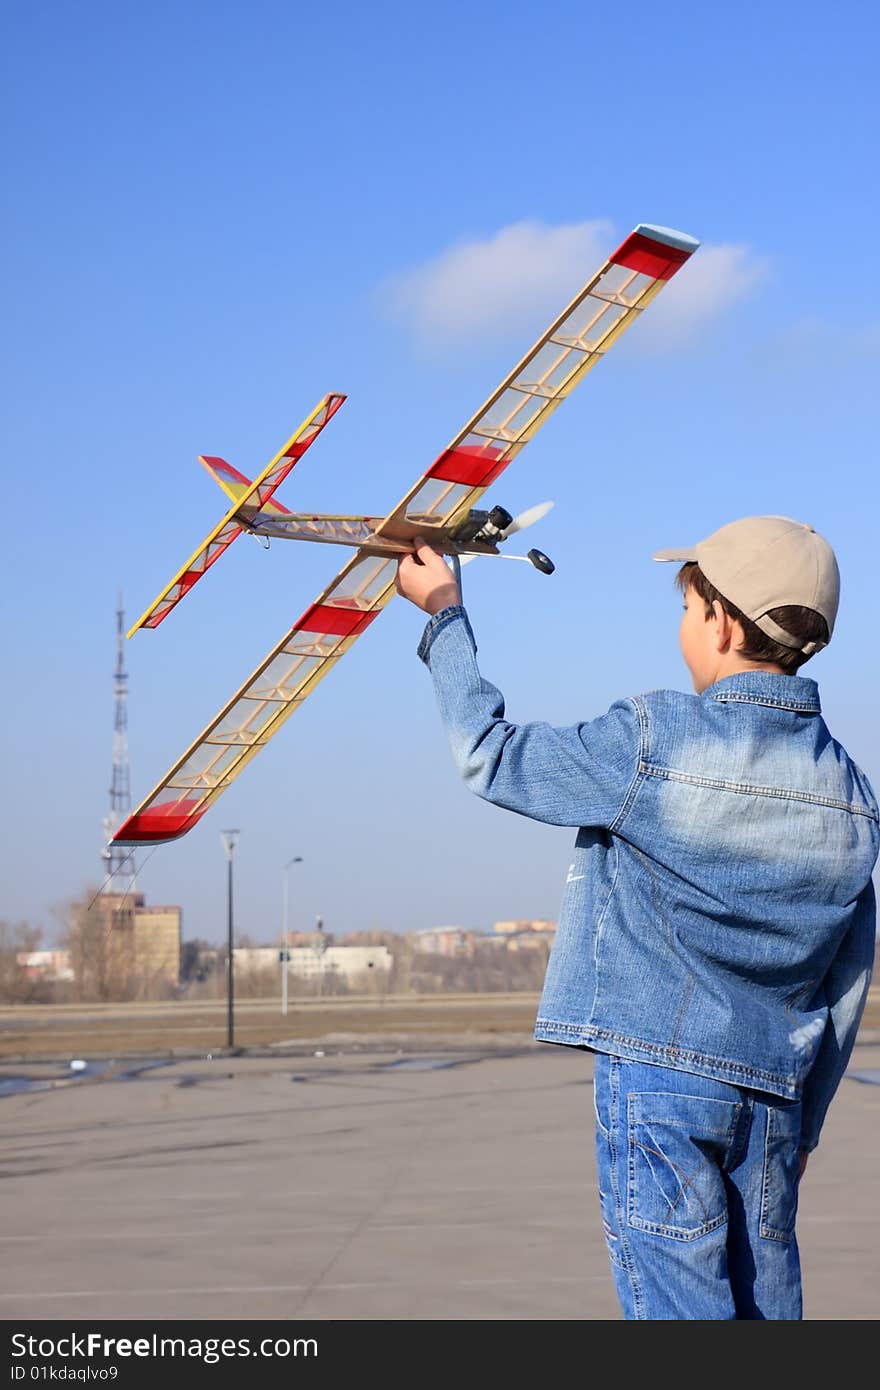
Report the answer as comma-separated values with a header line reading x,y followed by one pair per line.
x,y
440,506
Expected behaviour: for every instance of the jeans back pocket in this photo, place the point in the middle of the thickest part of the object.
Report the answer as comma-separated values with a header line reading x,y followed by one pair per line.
x,y
677,1148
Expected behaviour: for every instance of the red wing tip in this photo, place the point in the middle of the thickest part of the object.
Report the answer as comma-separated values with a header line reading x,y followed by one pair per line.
x,y
154,827
654,251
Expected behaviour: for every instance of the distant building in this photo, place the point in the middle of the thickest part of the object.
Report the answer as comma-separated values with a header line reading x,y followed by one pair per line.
x,y
375,937
524,924
46,965
308,962
349,961
147,937
524,934
251,959
157,936
299,938
445,941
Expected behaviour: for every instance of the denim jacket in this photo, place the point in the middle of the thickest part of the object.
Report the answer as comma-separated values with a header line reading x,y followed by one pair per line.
x,y
718,916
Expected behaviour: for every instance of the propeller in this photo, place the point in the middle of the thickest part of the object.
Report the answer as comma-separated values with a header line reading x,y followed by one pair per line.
x,y
527,518
519,523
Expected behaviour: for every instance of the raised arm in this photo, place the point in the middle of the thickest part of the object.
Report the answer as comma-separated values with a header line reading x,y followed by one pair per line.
x,y
574,776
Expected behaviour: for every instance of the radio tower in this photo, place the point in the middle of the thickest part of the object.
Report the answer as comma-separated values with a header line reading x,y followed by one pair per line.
x,y
119,865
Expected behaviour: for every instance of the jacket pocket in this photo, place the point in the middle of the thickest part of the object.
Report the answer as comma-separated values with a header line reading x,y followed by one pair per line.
x,y
677,1146
779,1189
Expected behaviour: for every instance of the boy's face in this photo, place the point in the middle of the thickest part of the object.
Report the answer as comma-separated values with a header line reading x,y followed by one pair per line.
x,y
699,641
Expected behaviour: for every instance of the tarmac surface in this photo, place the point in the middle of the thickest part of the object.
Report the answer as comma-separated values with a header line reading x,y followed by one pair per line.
x,y
371,1183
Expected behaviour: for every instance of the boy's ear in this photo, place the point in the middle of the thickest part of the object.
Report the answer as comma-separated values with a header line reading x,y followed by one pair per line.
x,y
724,626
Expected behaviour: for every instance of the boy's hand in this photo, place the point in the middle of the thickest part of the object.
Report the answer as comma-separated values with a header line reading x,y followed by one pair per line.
x,y
803,1156
425,578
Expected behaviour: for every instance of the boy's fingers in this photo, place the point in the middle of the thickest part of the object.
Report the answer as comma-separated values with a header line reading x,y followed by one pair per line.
x,y
425,552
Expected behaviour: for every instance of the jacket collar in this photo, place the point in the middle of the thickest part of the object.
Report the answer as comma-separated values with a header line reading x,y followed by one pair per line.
x,y
768,688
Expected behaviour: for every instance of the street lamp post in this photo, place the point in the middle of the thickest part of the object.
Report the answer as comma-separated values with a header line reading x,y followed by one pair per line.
x,y
297,859
320,948
229,839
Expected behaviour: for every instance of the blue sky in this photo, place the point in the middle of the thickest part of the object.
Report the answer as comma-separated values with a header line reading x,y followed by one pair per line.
x,y
215,213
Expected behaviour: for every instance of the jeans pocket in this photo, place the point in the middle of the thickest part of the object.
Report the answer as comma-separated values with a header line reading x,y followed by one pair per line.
x,y
779,1187
677,1146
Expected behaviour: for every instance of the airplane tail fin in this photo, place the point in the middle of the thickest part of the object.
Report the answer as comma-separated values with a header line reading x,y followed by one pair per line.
x,y
235,484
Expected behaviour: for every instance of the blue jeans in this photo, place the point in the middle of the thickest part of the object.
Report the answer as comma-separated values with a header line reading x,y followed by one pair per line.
x,y
698,1185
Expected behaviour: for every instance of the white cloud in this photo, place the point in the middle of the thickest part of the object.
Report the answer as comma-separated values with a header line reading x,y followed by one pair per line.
x,y
714,279
480,292
483,290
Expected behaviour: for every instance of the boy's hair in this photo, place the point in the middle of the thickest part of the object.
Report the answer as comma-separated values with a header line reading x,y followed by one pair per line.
x,y
805,624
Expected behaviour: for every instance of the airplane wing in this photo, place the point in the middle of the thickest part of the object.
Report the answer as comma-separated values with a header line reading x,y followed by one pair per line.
x,y
258,709
623,287
574,343
225,532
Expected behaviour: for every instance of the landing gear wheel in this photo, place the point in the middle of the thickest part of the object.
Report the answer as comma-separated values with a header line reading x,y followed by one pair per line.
x,y
541,561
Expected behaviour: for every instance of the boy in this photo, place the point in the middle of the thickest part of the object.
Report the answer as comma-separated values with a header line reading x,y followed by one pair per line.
x,y
716,932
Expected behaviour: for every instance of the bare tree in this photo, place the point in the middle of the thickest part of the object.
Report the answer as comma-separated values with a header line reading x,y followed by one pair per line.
x,y
100,938
402,953
17,986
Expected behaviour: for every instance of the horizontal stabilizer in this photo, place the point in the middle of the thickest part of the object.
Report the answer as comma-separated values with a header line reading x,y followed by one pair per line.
x,y
229,528
235,484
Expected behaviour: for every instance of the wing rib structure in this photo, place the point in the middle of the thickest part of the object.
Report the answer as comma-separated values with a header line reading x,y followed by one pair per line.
x,y
574,343
268,697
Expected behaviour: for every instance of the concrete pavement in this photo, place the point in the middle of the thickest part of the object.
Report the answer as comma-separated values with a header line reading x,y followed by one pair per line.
x,y
364,1185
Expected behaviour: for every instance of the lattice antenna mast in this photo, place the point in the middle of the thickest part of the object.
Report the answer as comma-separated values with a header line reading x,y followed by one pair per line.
x,y
119,865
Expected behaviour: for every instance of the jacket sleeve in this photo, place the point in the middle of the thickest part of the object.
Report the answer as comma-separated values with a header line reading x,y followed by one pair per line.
x,y
574,776
846,991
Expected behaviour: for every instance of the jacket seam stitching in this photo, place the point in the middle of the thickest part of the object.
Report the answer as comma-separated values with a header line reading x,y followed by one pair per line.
x,y
662,1049
632,790
669,774
797,706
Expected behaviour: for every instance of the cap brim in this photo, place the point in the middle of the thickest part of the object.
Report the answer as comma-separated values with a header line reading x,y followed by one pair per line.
x,y
683,556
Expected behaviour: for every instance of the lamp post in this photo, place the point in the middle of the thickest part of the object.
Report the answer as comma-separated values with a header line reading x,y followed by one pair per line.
x,y
320,948
297,859
229,839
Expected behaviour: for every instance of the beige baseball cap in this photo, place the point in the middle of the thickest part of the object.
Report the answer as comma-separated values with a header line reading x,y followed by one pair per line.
x,y
765,562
